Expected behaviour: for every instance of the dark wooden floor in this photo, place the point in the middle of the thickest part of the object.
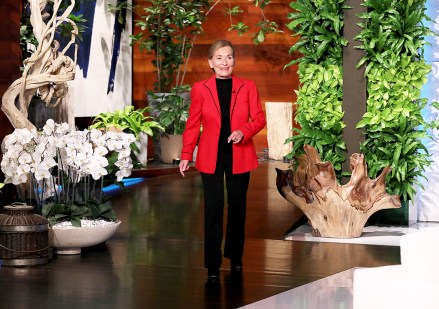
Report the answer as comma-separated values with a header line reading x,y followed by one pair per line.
x,y
155,259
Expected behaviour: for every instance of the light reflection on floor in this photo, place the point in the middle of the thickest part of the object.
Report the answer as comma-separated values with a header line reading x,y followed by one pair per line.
x,y
331,292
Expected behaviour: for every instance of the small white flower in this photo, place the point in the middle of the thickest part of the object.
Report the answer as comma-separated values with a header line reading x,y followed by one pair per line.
x,y
19,179
100,151
62,128
49,127
41,173
98,172
25,158
23,169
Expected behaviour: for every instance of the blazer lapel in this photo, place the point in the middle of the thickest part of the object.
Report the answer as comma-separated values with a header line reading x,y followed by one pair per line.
x,y
211,86
236,87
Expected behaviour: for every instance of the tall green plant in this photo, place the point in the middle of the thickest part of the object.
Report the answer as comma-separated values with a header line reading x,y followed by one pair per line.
x,y
168,28
394,125
392,27
392,37
319,98
319,112
320,27
265,25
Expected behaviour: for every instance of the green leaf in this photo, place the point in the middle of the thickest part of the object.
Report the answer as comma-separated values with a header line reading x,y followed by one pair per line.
x,y
76,222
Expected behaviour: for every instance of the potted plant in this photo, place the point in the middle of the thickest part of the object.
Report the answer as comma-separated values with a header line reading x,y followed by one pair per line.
x,y
62,172
171,111
167,30
129,120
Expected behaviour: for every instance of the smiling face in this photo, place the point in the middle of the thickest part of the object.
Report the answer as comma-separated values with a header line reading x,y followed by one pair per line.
x,y
222,62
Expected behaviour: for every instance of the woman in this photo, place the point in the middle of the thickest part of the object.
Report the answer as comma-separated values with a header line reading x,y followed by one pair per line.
x,y
229,111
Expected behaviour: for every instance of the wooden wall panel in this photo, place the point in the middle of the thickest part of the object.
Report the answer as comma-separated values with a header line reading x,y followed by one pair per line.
x,y
263,63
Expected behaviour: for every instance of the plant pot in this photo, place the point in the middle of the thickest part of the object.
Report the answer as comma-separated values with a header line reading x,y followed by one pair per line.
x,y
70,240
24,239
170,146
404,216
169,112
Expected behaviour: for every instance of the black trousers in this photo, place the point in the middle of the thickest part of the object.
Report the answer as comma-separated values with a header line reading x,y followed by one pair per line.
x,y
213,186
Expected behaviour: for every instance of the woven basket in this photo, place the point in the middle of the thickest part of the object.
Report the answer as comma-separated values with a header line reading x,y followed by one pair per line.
x,y
24,236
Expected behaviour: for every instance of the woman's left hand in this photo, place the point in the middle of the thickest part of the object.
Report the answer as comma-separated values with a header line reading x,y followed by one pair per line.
x,y
183,166
236,136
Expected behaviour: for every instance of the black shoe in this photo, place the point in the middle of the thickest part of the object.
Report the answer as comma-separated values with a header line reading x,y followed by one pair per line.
x,y
236,266
213,276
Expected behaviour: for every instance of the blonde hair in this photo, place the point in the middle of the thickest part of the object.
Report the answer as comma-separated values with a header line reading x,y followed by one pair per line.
x,y
220,44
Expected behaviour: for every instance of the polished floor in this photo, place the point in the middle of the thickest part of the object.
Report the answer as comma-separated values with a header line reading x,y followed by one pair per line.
x,y
155,259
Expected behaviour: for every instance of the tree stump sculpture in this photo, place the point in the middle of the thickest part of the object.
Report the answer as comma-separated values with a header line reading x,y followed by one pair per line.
x,y
47,70
334,210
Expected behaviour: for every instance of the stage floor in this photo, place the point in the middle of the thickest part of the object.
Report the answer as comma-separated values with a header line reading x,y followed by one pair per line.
x,y
156,260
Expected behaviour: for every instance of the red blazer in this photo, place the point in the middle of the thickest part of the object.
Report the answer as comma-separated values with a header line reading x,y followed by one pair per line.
x,y
246,114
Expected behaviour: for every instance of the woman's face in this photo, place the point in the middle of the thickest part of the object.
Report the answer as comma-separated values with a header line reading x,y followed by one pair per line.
x,y
223,62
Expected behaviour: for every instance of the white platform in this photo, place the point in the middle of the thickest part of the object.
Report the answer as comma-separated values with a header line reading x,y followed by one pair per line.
x,y
412,284
350,289
372,235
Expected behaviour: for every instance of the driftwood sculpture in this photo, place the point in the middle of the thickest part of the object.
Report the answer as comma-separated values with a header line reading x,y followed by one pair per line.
x,y
47,70
334,210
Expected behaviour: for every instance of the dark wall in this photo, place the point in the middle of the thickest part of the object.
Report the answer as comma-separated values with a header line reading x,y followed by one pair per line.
x,y
9,52
10,10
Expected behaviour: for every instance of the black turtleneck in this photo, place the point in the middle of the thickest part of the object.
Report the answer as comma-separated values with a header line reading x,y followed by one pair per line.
x,y
224,87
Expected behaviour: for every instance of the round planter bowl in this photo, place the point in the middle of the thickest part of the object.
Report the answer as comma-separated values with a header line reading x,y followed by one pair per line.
x,y
70,240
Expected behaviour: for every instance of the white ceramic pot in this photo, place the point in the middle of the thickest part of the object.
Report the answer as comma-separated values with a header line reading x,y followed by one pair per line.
x,y
70,240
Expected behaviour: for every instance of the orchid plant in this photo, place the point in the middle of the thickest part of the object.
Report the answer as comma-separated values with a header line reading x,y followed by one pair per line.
x,y
63,169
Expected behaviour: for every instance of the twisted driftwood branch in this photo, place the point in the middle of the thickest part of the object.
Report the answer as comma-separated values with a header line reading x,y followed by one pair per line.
x,y
47,70
334,210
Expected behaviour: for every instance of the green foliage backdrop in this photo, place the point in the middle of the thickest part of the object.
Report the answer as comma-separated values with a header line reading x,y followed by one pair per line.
x,y
392,36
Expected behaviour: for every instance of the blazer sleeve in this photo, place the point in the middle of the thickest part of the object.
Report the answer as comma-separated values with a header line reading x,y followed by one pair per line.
x,y
257,116
193,125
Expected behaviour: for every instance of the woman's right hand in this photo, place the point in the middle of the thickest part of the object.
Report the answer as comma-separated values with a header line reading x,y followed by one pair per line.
x,y
184,166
